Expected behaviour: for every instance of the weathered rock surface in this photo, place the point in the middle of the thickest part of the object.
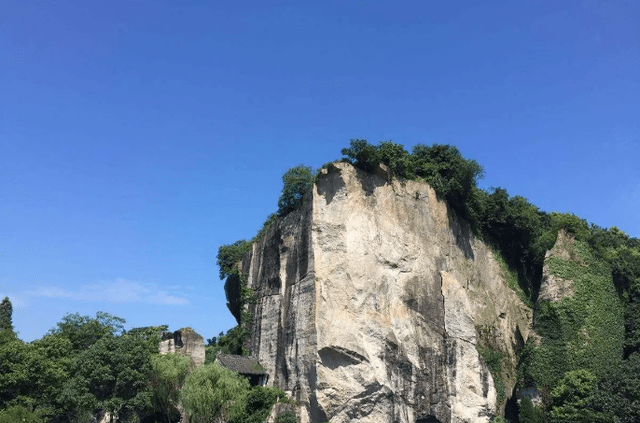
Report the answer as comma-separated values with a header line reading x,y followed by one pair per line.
x,y
370,301
553,287
184,342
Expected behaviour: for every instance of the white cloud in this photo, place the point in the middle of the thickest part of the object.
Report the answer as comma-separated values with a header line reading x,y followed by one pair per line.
x,y
51,292
16,301
117,291
164,298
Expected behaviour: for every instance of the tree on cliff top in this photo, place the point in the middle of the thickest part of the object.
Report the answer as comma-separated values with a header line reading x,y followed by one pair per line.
x,y
230,255
442,166
297,181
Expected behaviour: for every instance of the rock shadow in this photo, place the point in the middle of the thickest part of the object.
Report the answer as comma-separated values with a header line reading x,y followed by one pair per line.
x,y
330,183
463,234
334,357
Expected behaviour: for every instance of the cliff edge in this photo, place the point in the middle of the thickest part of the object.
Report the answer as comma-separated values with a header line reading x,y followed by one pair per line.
x,y
371,301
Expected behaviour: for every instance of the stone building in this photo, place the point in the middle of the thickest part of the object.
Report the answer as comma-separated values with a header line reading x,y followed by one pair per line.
x,y
248,367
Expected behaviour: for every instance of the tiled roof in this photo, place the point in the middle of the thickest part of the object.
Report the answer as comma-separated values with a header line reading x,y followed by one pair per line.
x,y
241,364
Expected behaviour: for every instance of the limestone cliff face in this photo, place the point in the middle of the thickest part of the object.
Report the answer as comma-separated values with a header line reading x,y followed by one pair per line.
x,y
370,301
184,342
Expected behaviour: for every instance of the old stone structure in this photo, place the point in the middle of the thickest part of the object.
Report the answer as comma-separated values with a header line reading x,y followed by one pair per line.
x,y
185,342
248,367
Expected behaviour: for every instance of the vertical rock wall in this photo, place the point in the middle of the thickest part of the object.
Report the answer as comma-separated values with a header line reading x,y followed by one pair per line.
x,y
184,342
368,304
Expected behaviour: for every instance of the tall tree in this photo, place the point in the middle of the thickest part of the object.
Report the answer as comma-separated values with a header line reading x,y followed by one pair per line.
x,y
167,380
112,375
84,331
6,313
212,393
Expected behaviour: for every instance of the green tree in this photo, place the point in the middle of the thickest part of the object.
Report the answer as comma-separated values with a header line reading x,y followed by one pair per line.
x,y
229,343
6,313
452,176
84,331
572,399
20,414
149,335
212,393
13,372
48,363
619,391
528,412
362,155
258,402
167,380
297,181
396,158
442,166
520,231
229,256
112,375
33,374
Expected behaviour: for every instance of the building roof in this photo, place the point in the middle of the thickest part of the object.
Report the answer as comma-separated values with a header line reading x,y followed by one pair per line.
x,y
241,364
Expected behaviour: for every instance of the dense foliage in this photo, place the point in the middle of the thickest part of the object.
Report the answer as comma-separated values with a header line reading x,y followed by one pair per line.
x,y
211,391
83,365
453,177
296,182
528,412
229,343
286,417
167,380
87,366
229,256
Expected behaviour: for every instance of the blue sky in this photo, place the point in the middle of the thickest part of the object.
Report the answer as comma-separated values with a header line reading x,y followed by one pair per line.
x,y
136,137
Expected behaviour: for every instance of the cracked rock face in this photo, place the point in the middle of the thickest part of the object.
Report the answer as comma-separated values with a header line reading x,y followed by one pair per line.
x,y
187,343
368,301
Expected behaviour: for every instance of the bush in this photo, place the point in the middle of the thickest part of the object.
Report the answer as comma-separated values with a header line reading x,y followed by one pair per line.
x,y
572,399
453,177
230,255
529,413
213,392
286,417
362,155
297,181
20,415
493,360
258,403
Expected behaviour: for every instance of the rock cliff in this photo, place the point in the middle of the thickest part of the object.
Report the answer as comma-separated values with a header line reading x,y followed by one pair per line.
x,y
184,342
371,301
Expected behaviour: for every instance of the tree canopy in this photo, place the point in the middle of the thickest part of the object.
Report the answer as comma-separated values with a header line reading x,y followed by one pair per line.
x,y
296,182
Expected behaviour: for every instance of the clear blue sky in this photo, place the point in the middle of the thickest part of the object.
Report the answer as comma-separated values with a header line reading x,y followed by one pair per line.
x,y
136,137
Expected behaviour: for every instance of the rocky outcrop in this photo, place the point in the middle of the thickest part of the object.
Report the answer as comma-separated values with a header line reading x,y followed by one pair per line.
x,y
185,342
553,287
371,300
